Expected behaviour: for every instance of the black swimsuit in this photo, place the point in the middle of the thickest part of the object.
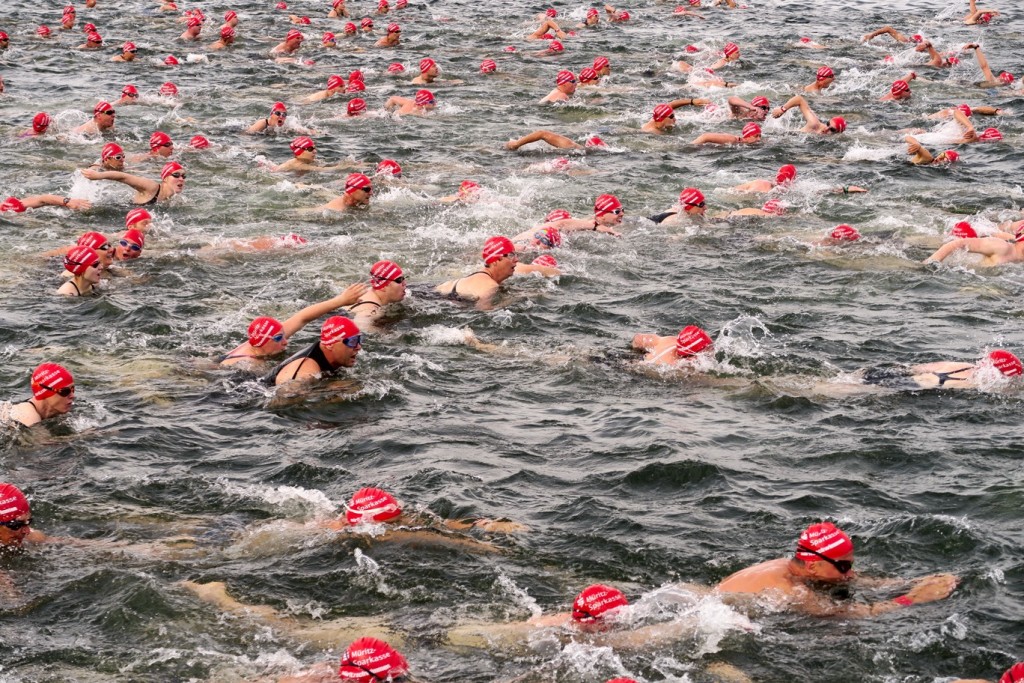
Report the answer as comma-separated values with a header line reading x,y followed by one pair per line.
x,y
77,290
902,378
361,303
948,376
313,352
454,294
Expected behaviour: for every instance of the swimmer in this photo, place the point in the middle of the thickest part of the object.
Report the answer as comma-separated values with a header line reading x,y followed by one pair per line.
x,y
267,337
421,105
147,191
547,237
138,219
102,120
663,119
978,16
67,21
553,139
824,557
128,52
608,212
500,260
934,58
97,241
112,158
277,119
129,96
772,207
920,156
469,192
295,19
900,89
366,25
387,286
691,205
367,660
160,147
355,107
15,205
942,374
429,72
679,350
588,78
892,33
129,246
1005,79
967,110
591,20
812,124
785,176
329,41
291,43
994,250
5,40
338,9
565,86
383,7
335,86
93,41
554,48
681,11
358,189
822,80
339,344
304,161
751,134
53,395
193,25
40,124
391,38
546,30
808,43
84,265
226,40
16,516
231,18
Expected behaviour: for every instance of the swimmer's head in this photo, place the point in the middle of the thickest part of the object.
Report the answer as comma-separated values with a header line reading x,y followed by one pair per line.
x,y
424,98
551,12
692,200
601,64
265,329
488,66
130,91
468,188
14,205
761,102
302,145
358,182
990,135
622,16
692,49
328,39
356,106
844,233
900,89
384,273
110,151
168,89
172,170
342,337
608,207
335,82
549,237
751,131
51,379
691,340
1006,77
80,259
949,156
965,110
230,15
388,167
1015,674
824,543
555,47
836,124
369,660
426,64
917,38
594,141
43,31
731,51
366,23
963,230
15,515
1006,363
349,28
557,215
497,248
131,244
786,174
372,505
227,34
159,141
664,112
588,75
595,602
546,260
294,36
394,28
94,240
135,217
825,73
171,60
41,122
396,68
565,79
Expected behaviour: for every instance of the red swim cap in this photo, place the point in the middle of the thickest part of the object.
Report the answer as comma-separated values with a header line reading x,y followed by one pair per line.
x,y
79,258
557,215
786,174
369,660
41,122
294,34
549,236
193,21
357,181
662,112
426,63
94,38
199,142
44,31
773,207
227,32
110,150
301,144
839,123
102,105
48,379
509,48
468,187
136,216
395,68
355,85
367,22
402,3
328,38
129,46
169,168
382,273
93,239
691,340
588,74
899,87
13,204
488,66
691,196
824,73
349,28
424,98
963,230
230,14
951,155
304,20
372,505
592,12
545,260
600,63
133,235
159,139
337,328
356,106
1015,674
551,12
335,81
262,329
168,89
4,36
69,9
129,90
845,233
281,5
731,49
1006,363
751,130
1006,77
917,38
595,601
388,167
965,109
394,28
564,77
990,135
823,538
555,46
623,16
594,141
605,204
497,248
760,101
171,60
692,49
13,503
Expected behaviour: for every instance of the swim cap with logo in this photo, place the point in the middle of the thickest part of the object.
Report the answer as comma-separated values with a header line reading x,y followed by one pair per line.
x,y
468,187
691,340
426,63
93,239
41,122
917,38
328,38
171,60
731,49
304,20
337,328
595,601
555,46
594,141
546,260
136,216
230,14
600,63
951,155
356,181
786,174
388,167
1006,77
262,330
824,73
588,74
49,378
691,196
13,204
592,12
662,112
564,77
761,101
549,237
382,273
159,139
838,122
369,660
356,105
101,106
227,32
823,538
394,28
110,150
965,110
193,21
963,230
335,81
349,28
44,31
281,5
751,130
372,505
692,49
395,68
424,98
278,106
169,168
129,90
605,204
367,22
355,85
301,144
129,46
294,34
623,16
1006,363
899,87
496,248
488,66
845,233
13,503
557,215
133,235
168,89
1015,674
94,38
551,12
79,258
773,207
990,135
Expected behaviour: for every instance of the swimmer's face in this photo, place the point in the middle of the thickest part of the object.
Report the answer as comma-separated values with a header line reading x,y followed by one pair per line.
x,y
505,267
115,163
343,355
394,291
13,538
612,218
92,273
823,570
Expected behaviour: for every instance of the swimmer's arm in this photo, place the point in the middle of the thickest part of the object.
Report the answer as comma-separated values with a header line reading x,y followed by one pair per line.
x,y
798,101
257,127
849,189
645,341
324,672
136,182
546,271
215,593
314,311
35,201
987,111
918,154
976,245
396,102
714,139
571,224
497,526
970,135
318,96
688,102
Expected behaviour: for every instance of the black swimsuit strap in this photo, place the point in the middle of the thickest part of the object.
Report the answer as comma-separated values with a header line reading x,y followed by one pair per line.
x,y
77,290
948,376
360,303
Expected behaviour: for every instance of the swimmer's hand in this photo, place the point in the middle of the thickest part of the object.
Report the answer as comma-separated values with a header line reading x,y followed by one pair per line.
x,y
606,229
777,112
79,204
351,294
499,526
931,588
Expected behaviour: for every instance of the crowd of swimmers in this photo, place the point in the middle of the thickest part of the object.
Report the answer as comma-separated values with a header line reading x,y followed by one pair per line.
x,y
823,554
